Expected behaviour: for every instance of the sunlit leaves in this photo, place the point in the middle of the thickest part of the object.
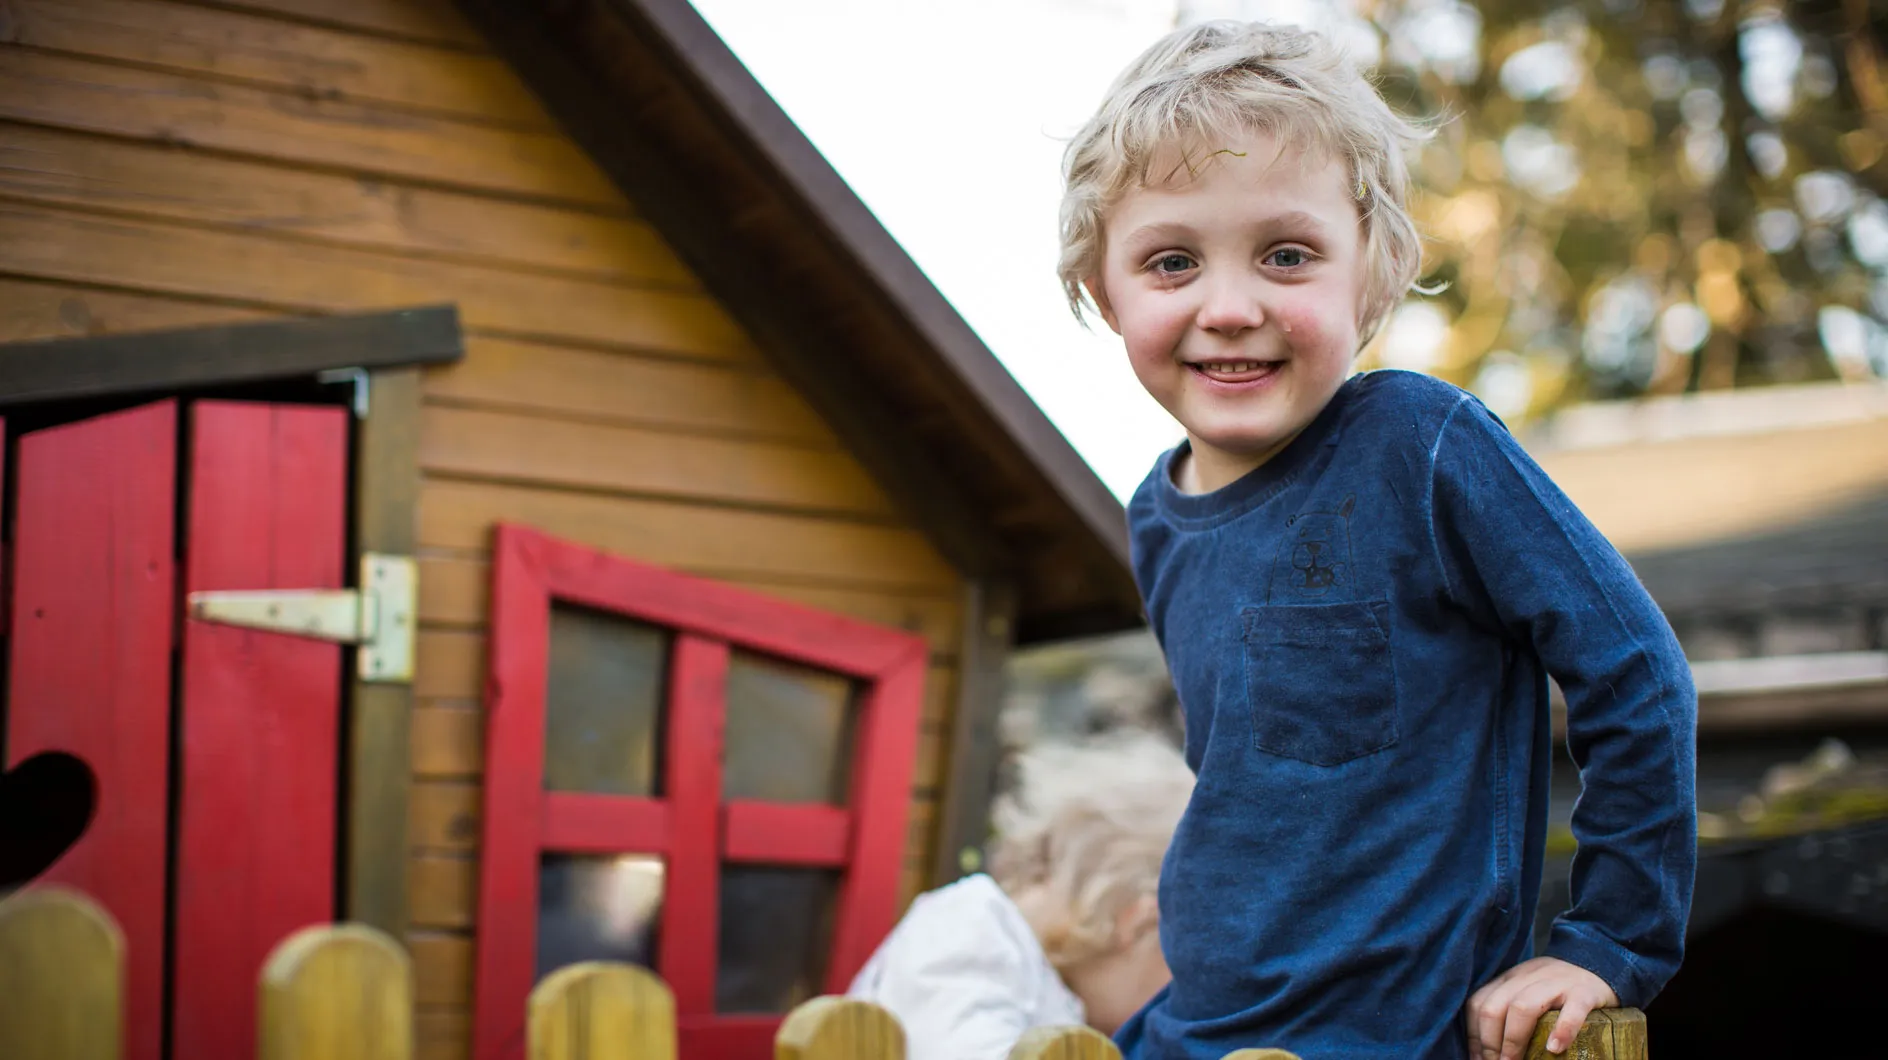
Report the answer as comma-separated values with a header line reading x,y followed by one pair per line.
x,y
1632,196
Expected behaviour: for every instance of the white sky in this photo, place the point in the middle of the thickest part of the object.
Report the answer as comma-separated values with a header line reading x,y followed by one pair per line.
x,y
947,117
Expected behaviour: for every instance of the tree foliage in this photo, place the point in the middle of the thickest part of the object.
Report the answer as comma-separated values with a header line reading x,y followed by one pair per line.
x,y
1628,197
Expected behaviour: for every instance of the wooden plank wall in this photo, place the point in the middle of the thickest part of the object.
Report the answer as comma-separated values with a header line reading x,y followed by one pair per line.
x,y
168,164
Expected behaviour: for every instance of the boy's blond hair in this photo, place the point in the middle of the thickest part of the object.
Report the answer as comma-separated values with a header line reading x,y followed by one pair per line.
x,y
1080,837
1217,79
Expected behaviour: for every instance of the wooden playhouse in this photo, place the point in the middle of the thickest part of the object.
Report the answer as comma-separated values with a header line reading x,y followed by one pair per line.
x,y
477,471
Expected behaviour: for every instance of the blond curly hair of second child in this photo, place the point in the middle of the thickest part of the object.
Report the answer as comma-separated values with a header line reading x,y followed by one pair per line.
x,y
1081,835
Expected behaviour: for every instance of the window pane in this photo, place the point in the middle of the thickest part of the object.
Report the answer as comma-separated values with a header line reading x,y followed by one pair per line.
x,y
603,711
597,908
789,734
776,931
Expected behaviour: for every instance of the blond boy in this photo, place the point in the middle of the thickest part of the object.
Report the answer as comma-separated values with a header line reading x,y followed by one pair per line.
x,y
1362,585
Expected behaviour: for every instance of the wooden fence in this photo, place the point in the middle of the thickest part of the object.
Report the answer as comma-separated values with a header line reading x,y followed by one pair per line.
x,y
344,992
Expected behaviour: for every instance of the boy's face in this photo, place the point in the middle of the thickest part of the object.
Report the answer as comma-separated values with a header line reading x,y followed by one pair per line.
x,y
1236,291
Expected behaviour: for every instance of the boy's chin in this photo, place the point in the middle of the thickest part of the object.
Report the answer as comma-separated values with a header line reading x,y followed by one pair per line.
x,y
1237,446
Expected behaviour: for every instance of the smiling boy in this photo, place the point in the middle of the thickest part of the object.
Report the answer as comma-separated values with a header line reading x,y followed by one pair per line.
x,y
1362,585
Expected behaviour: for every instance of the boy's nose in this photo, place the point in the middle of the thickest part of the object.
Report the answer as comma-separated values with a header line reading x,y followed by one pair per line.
x,y
1230,307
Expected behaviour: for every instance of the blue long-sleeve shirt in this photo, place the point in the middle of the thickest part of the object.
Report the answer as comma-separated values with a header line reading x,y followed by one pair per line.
x,y
1361,633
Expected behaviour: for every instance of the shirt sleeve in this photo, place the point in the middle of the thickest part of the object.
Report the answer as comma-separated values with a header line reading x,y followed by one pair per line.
x,y
1518,554
959,986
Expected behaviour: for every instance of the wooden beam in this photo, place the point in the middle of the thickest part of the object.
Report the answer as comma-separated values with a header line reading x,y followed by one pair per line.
x,y
170,361
989,629
379,724
1779,693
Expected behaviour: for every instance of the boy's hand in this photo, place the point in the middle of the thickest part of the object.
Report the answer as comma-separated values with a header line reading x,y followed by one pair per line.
x,y
1501,1015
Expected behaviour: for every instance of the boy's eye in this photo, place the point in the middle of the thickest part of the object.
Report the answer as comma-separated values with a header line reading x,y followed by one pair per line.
x,y
1171,264
1289,257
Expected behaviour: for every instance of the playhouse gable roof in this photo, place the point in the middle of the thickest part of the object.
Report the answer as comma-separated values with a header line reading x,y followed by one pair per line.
x,y
675,119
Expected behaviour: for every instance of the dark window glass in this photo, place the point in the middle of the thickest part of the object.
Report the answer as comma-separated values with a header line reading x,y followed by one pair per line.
x,y
603,711
598,908
776,931
789,732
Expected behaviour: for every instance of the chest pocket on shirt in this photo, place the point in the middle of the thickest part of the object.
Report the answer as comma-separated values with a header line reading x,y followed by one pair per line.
x,y
1320,680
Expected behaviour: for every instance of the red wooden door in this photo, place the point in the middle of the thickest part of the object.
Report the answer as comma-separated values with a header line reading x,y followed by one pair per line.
x,y
90,658
260,712
215,805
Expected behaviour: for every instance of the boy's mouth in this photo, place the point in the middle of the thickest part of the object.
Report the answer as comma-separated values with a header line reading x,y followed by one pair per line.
x,y
1235,371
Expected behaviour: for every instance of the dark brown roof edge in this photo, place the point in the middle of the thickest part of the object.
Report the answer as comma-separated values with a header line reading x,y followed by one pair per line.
x,y
735,91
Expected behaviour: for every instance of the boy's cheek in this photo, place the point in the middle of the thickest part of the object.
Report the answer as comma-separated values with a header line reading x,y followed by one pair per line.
x,y
1313,323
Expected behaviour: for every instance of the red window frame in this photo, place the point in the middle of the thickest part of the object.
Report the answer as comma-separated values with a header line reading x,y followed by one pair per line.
x,y
688,825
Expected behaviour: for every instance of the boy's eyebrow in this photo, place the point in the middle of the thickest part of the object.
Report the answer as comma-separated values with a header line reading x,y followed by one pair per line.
x,y
1154,230
1295,219
1157,230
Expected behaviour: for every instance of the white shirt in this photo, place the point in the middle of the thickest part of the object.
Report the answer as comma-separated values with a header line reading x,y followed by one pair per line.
x,y
965,975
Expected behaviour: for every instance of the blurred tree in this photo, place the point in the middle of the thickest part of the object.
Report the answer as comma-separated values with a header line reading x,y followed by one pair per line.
x,y
1633,196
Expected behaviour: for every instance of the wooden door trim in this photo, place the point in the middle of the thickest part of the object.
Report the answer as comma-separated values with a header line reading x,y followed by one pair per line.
x,y
964,814
190,358
378,753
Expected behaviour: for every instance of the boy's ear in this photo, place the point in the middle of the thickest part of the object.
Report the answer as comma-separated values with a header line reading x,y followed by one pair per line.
x,y
1100,297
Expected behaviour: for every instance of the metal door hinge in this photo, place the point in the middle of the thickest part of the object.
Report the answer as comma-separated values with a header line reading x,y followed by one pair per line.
x,y
378,617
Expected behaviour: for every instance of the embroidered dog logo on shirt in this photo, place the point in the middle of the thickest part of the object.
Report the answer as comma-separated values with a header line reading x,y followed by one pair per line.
x,y
1318,546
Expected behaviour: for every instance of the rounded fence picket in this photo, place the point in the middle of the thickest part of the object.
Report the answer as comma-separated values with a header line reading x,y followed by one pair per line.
x,y
1064,1043
600,1010
344,992
336,992
1607,1034
61,977
839,1028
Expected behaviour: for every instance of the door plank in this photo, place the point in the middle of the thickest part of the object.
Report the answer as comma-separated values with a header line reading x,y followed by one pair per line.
x,y
90,671
260,712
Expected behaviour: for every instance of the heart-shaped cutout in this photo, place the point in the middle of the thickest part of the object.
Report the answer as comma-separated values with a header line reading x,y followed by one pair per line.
x,y
45,804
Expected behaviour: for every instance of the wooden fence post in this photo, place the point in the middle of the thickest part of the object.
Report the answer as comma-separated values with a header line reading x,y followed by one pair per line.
x,y
336,992
839,1028
62,962
1607,1034
600,1010
1064,1043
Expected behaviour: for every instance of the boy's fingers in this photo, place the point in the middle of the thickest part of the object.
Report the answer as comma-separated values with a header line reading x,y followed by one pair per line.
x,y
1572,1016
1471,1022
1522,1016
1490,1015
